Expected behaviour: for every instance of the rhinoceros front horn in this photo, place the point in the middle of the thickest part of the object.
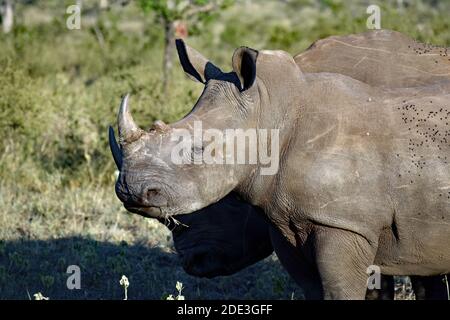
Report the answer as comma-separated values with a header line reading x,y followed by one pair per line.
x,y
128,130
115,149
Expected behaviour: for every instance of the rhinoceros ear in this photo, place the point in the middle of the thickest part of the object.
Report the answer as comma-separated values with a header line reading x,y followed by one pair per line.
x,y
195,65
244,65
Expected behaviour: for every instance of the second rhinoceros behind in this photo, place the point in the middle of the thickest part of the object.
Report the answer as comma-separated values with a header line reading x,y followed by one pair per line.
x,y
363,172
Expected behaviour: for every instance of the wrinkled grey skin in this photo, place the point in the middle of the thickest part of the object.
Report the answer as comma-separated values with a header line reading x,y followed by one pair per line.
x,y
350,191
230,235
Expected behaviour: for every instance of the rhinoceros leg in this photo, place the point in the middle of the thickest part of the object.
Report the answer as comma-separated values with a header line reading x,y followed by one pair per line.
x,y
342,258
299,265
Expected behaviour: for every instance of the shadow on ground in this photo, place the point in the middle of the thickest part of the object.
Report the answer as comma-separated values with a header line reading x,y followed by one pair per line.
x,y
31,266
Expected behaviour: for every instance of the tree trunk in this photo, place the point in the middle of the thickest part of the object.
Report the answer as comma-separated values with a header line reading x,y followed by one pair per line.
x,y
7,16
169,46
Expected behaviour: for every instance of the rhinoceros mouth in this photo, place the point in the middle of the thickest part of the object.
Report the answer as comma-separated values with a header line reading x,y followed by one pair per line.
x,y
148,212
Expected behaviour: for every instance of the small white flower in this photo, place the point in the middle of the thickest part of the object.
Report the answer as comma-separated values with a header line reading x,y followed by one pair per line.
x,y
40,296
124,282
179,286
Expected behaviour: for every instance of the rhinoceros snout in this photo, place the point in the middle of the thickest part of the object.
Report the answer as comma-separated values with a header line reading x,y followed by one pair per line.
x,y
153,197
142,199
148,212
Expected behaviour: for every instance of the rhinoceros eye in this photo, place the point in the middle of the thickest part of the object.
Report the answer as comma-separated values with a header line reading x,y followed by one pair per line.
x,y
198,149
197,152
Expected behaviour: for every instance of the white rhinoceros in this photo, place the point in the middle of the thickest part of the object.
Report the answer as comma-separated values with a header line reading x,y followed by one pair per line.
x,y
363,169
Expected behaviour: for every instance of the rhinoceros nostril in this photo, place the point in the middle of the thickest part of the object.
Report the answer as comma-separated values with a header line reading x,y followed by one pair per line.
x,y
152,192
152,196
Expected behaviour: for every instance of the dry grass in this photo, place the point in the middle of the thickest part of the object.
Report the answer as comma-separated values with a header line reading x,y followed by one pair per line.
x,y
43,233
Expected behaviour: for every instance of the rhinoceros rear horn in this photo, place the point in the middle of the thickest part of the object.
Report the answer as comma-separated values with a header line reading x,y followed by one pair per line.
x,y
195,65
244,65
115,149
128,130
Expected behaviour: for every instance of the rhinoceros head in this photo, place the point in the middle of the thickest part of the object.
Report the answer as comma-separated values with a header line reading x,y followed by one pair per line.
x,y
160,171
